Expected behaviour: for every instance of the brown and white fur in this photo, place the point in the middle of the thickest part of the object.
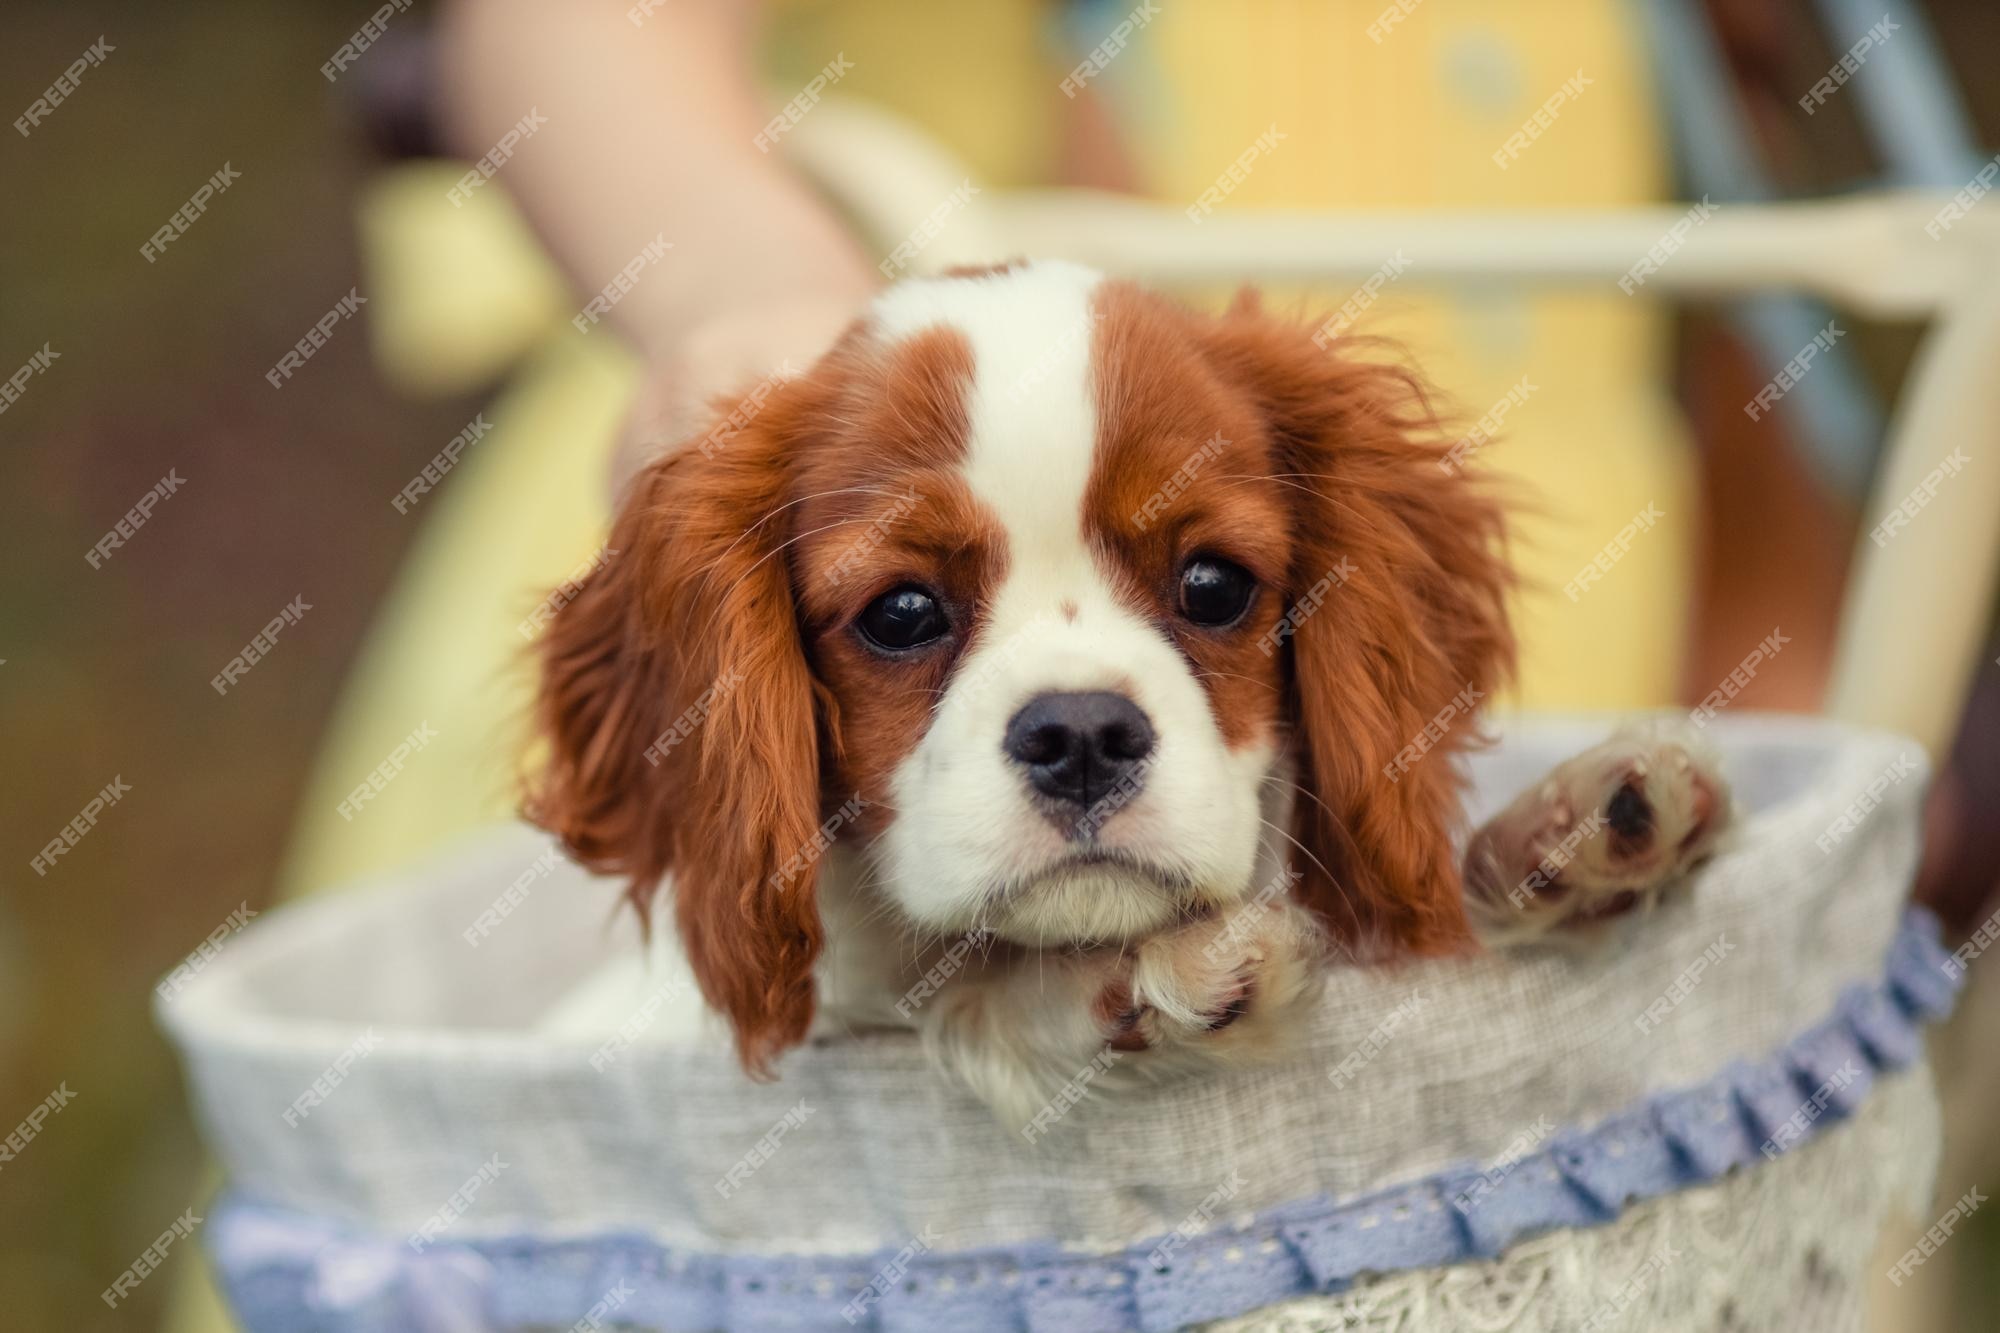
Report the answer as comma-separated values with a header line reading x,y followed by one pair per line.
x,y
1062,463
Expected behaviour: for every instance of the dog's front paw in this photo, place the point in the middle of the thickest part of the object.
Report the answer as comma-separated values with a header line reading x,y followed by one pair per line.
x,y
1223,982
1606,833
1175,1006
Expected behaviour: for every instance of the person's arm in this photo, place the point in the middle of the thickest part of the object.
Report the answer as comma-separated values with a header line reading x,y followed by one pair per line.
x,y
649,132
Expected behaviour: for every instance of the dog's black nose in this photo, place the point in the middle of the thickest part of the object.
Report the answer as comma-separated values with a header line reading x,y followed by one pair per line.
x,y
1080,747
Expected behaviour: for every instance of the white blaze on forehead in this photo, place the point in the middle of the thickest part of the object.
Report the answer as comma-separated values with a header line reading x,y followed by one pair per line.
x,y
1032,414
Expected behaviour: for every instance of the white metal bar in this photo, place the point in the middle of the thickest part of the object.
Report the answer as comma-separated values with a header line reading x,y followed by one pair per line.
x,y
1912,625
1870,254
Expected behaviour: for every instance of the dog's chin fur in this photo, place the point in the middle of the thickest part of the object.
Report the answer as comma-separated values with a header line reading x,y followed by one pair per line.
x,y
1096,902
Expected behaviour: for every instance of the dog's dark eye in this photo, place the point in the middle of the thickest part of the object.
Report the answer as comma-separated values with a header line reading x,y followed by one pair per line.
x,y
903,619
1213,591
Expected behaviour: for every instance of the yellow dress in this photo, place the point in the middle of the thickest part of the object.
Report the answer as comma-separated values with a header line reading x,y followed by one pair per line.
x,y
1411,120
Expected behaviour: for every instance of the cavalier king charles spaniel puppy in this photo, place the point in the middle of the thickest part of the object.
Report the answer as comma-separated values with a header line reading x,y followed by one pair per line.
x,y
1054,668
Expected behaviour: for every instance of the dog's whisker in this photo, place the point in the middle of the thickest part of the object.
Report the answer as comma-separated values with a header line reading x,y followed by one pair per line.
x,y
1333,500
1283,781
722,602
1236,675
1324,868
1359,482
770,514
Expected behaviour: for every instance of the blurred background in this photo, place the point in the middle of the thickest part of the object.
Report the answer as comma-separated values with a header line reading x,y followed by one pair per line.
x,y
456,324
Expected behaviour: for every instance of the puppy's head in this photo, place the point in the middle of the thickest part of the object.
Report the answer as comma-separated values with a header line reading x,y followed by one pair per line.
x,y
1062,601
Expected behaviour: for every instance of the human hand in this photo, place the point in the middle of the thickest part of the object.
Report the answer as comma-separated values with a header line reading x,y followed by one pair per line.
x,y
678,396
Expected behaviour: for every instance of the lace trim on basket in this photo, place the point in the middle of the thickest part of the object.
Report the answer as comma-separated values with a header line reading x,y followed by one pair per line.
x,y
288,1270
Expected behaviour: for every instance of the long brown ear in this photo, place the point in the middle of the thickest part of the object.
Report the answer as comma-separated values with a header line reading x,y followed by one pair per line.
x,y
678,706
1384,674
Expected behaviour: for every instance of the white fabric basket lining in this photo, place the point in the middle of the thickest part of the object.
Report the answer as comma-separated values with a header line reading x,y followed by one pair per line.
x,y
890,1151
